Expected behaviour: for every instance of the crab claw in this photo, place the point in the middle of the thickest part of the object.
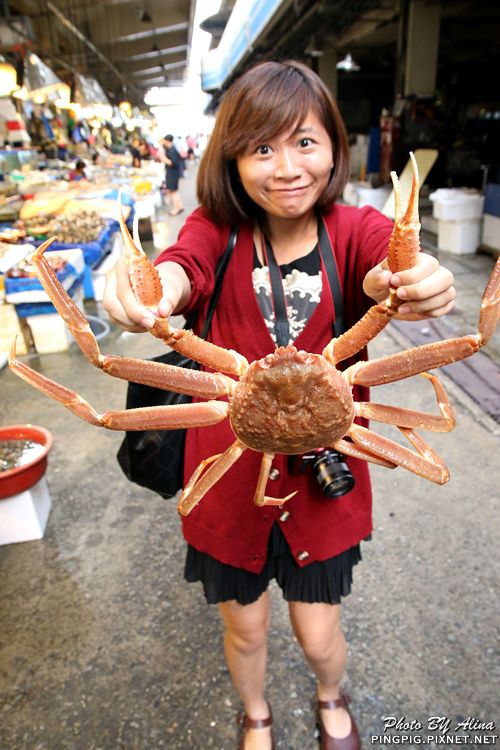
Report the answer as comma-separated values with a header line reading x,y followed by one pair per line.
x,y
404,244
144,277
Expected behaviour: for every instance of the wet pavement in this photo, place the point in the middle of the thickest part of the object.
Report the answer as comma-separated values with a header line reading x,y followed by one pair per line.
x,y
104,647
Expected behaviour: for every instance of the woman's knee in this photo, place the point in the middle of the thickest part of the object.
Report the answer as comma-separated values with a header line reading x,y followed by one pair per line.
x,y
246,626
319,635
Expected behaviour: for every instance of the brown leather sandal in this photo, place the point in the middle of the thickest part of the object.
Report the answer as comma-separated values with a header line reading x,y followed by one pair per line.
x,y
246,723
327,742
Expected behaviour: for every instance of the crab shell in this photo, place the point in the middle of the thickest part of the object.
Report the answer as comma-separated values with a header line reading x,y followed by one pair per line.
x,y
290,402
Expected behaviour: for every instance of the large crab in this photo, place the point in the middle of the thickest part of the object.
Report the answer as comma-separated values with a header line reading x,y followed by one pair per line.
x,y
277,403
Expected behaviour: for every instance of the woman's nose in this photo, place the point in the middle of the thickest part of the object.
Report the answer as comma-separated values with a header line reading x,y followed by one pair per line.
x,y
287,166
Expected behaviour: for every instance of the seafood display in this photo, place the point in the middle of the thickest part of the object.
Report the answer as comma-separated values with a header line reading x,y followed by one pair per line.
x,y
78,228
277,404
15,453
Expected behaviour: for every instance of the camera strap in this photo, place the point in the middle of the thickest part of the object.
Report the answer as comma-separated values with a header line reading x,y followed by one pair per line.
x,y
282,327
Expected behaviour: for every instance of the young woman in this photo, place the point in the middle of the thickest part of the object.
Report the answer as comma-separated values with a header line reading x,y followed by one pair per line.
x,y
275,165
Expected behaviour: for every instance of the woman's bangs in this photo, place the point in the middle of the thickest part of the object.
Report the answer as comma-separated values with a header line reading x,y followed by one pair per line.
x,y
275,111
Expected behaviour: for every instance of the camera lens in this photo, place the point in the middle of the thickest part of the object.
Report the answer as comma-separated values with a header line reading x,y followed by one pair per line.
x,y
332,474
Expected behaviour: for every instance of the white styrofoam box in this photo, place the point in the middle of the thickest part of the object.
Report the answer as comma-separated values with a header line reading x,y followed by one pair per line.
x,y
459,237
99,274
158,198
23,517
75,258
457,204
376,197
145,207
491,231
9,328
49,331
350,194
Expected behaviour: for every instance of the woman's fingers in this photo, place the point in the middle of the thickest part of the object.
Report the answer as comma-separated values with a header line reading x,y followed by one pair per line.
x,y
437,282
376,282
425,290
120,303
432,307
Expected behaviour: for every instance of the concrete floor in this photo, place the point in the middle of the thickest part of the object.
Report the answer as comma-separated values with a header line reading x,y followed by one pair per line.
x,y
104,647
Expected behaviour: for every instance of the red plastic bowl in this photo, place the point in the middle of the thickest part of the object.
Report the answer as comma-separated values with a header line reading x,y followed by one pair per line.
x,y
22,478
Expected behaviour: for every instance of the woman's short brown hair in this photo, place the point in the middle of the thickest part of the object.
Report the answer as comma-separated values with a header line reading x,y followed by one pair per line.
x,y
265,102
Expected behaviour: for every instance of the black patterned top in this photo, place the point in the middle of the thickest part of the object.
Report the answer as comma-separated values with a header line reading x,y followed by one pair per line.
x,y
302,286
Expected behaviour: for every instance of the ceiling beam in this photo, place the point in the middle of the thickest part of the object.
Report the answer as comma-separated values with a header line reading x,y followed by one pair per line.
x,y
156,53
71,27
152,32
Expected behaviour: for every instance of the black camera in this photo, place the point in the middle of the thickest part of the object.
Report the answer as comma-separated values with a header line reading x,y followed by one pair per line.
x,y
329,468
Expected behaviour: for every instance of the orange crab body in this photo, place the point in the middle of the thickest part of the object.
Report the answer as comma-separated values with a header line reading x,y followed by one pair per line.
x,y
279,404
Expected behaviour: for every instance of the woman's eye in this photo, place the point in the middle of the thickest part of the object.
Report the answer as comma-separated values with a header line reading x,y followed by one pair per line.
x,y
263,150
305,142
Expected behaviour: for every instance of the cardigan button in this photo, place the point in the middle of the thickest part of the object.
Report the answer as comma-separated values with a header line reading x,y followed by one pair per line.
x,y
255,559
284,516
303,555
274,474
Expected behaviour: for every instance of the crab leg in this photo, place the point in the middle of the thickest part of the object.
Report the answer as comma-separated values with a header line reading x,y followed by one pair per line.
x,y
197,487
169,377
404,247
425,462
437,354
69,312
357,451
123,367
408,417
146,284
260,498
152,417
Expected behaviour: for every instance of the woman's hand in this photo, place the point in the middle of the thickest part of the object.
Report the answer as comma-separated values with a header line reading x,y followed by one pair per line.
x,y
124,310
426,290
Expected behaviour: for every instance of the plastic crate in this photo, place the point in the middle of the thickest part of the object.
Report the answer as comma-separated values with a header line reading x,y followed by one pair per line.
x,y
21,290
25,309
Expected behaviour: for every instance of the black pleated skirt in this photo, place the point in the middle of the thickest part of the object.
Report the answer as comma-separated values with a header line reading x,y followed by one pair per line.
x,y
319,582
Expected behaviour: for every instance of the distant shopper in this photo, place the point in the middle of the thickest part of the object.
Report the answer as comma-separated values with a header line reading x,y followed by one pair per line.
x,y
78,172
174,166
135,150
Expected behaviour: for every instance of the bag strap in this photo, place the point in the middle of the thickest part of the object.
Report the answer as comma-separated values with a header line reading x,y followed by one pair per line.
x,y
219,276
328,256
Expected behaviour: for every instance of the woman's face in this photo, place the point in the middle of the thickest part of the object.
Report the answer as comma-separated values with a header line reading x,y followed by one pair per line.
x,y
287,175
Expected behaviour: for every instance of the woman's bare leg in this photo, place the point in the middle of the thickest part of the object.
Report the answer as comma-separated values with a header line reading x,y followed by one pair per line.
x,y
245,646
176,202
317,627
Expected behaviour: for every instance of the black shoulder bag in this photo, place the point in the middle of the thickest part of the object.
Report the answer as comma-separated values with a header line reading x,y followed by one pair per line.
x,y
155,458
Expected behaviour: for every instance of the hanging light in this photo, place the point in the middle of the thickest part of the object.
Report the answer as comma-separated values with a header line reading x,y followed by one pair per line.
x,y
348,64
125,108
62,97
8,78
39,80
90,97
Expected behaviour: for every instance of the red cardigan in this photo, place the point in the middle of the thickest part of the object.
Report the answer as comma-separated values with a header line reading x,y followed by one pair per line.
x,y
226,524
